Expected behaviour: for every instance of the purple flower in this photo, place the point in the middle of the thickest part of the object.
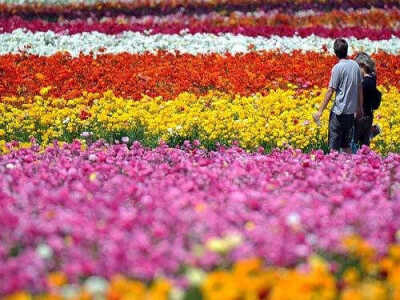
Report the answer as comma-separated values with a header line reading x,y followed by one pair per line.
x,y
116,210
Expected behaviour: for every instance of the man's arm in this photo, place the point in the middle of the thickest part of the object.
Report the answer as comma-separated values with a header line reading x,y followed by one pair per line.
x,y
328,97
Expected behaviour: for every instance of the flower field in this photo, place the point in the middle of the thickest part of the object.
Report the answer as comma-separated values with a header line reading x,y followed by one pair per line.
x,y
166,150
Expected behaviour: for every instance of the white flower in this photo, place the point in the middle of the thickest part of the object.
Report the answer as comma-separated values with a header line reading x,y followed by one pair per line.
x,y
234,239
96,286
195,276
49,43
86,134
184,31
92,157
239,48
44,251
66,120
125,139
10,166
177,294
69,291
293,219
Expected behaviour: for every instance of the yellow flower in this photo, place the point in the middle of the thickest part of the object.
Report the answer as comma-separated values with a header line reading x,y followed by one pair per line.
x,y
372,290
19,296
293,285
394,276
387,264
252,278
217,245
394,252
57,279
124,289
49,297
351,276
351,294
225,244
250,225
220,285
45,90
281,118
360,248
92,176
160,290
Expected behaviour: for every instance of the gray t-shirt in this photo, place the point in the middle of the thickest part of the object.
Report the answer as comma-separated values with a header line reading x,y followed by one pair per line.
x,y
345,80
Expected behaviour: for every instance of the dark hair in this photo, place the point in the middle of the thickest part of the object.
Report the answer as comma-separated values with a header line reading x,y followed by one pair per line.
x,y
340,46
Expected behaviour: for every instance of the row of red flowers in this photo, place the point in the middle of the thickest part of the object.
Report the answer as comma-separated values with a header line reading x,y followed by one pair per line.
x,y
374,18
167,75
175,27
140,7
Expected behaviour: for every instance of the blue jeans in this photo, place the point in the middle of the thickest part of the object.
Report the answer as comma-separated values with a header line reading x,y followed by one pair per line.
x,y
354,145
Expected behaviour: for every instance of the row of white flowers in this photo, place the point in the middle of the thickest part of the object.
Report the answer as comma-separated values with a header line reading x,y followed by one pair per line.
x,y
48,43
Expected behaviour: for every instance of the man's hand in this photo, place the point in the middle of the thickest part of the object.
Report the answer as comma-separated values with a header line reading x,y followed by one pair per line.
x,y
317,118
317,115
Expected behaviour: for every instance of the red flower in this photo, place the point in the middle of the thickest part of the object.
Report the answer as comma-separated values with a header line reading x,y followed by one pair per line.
x,y
84,115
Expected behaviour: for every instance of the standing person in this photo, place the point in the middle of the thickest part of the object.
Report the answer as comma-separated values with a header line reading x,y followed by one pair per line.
x,y
346,82
371,99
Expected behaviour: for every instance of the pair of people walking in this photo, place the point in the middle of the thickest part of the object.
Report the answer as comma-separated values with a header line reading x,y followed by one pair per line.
x,y
351,117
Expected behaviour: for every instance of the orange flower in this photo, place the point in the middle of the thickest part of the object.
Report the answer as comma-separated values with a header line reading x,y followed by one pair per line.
x,y
57,279
168,75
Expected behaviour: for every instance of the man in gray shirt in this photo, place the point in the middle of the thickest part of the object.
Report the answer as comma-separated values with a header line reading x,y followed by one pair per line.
x,y
346,81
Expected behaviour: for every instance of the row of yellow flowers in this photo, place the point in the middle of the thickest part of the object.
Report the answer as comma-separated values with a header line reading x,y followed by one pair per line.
x,y
251,279
281,118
